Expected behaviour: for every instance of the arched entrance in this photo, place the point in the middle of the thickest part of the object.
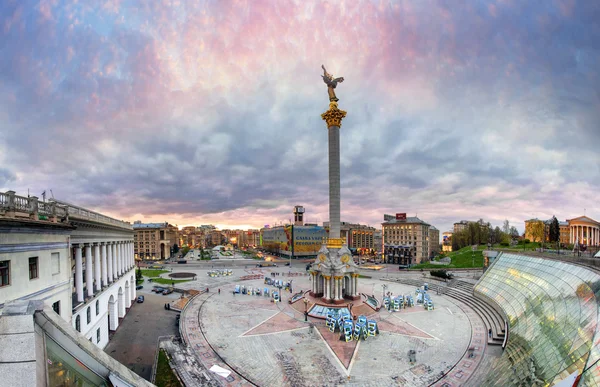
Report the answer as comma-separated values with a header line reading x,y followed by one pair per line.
x,y
113,321
121,303
126,295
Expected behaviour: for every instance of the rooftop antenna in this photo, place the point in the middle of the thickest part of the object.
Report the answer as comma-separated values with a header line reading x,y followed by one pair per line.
x,y
44,195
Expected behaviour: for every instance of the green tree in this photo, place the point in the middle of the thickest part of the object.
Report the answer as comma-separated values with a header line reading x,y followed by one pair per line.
x,y
175,248
138,274
506,227
514,233
554,230
535,229
184,250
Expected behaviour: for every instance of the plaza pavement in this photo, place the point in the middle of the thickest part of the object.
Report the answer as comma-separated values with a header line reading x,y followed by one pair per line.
x,y
135,341
271,345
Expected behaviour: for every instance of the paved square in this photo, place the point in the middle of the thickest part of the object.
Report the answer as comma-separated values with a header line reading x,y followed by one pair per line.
x,y
270,344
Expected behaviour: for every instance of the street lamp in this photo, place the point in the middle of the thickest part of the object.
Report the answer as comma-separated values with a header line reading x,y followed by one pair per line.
x,y
305,309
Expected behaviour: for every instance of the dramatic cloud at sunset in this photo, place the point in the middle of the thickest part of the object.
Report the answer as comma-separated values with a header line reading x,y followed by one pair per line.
x,y
201,112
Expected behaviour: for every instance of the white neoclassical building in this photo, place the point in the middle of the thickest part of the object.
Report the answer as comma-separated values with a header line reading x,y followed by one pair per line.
x,y
79,262
584,230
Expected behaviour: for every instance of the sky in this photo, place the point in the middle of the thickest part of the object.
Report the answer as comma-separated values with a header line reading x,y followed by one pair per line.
x,y
208,112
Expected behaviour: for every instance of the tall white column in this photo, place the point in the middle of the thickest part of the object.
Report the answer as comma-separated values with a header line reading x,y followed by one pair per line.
x,y
113,247
78,274
131,258
119,258
104,263
109,258
89,270
97,267
334,181
570,234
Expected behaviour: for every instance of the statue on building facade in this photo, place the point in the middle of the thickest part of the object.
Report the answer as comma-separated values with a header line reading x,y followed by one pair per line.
x,y
331,83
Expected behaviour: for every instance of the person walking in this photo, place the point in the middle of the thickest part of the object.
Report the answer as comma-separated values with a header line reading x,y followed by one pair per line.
x,y
219,290
490,333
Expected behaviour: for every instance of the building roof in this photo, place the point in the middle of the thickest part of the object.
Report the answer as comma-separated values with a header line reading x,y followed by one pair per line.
x,y
409,220
150,225
432,228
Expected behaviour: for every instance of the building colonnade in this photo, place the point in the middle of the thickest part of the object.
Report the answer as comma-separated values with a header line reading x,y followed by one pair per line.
x,y
589,235
335,288
105,262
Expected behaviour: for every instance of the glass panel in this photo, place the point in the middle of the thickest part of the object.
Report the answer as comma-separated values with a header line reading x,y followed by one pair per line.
x,y
553,314
65,370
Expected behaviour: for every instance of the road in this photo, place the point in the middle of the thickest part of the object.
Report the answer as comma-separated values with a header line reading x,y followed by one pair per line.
x,y
135,341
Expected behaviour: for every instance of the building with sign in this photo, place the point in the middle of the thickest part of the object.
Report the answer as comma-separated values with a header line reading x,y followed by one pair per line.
x,y
307,240
407,240
447,241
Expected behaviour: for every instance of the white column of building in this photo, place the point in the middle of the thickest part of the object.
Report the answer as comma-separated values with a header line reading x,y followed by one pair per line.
x,y
571,234
78,273
356,286
97,267
131,257
89,270
128,252
120,258
336,281
113,247
109,266
124,262
104,263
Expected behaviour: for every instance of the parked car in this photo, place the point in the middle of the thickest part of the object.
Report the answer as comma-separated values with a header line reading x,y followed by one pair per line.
x,y
139,287
140,299
167,291
158,289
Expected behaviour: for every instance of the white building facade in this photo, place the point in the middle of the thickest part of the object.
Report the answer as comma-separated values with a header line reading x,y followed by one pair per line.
x,y
77,261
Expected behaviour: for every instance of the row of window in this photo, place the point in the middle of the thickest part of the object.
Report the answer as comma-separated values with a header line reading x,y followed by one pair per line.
x,y
88,315
5,276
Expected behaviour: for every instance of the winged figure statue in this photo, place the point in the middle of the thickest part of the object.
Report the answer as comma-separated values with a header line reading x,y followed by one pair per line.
x,y
331,83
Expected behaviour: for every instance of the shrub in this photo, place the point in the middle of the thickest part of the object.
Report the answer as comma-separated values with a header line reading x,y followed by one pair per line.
x,y
505,244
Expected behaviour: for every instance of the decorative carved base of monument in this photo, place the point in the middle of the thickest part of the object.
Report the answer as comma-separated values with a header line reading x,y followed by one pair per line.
x,y
334,275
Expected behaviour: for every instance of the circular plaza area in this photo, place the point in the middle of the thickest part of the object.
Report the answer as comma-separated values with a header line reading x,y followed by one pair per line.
x,y
270,344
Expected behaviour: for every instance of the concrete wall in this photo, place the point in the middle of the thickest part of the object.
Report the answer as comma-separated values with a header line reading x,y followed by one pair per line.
x,y
17,247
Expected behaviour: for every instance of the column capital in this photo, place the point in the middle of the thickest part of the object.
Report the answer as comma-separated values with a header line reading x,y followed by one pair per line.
x,y
333,116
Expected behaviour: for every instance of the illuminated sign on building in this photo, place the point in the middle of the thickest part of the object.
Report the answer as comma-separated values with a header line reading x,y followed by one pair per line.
x,y
401,216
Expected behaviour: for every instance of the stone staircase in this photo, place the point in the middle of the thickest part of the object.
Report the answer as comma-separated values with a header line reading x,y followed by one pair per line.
x,y
463,292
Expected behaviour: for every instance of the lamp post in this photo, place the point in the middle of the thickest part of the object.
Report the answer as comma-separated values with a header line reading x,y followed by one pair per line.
x,y
305,309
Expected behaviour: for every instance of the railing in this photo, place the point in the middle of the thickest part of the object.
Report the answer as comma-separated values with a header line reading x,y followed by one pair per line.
x,y
9,202
76,212
22,204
